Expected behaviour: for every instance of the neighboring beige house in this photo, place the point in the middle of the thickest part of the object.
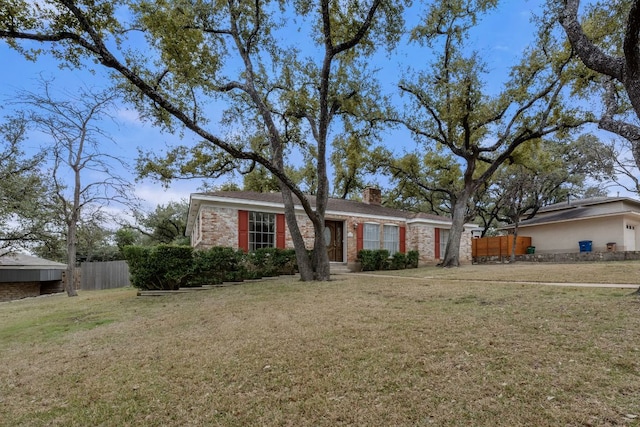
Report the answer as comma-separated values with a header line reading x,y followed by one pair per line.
x,y
23,276
609,223
250,220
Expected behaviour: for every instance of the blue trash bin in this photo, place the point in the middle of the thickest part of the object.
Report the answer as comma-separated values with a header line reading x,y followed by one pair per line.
x,y
585,245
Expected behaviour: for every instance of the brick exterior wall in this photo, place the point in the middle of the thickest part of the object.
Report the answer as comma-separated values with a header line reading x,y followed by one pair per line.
x,y
19,290
219,227
215,227
421,238
372,196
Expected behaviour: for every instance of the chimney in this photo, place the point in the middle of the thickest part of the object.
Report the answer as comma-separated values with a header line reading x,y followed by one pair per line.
x,y
372,196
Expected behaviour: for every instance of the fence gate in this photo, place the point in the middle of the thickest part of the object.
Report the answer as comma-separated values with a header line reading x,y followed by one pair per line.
x,y
104,275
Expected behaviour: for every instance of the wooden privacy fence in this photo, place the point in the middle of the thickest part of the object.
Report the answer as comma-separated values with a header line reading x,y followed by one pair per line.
x,y
499,246
104,275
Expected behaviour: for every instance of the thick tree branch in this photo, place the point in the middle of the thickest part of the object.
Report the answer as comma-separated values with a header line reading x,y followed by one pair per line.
x,y
590,54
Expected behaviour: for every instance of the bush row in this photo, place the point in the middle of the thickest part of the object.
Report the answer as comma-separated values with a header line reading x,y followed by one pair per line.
x,y
170,267
380,259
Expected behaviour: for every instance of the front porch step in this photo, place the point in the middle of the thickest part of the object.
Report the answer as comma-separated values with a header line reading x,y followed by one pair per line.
x,y
339,268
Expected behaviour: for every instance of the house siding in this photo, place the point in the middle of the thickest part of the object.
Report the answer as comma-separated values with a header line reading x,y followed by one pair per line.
x,y
564,237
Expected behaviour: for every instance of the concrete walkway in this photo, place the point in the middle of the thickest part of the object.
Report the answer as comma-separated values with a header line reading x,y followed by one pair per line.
x,y
515,282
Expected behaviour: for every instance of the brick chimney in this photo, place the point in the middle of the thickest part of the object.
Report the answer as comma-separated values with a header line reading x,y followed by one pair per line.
x,y
372,196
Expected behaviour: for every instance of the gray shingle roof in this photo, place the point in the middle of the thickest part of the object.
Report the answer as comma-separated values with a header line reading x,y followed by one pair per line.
x,y
576,209
23,261
351,207
587,202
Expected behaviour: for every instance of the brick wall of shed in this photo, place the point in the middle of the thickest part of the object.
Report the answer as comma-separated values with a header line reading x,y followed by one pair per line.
x,y
19,290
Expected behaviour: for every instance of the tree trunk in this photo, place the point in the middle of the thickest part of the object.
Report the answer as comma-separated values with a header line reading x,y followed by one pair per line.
x,y
305,266
71,260
512,256
452,253
321,265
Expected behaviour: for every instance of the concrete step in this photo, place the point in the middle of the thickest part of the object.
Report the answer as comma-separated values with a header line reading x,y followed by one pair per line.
x,y
339,268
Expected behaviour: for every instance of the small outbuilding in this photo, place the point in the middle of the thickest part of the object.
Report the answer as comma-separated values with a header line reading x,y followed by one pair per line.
x,y
23,276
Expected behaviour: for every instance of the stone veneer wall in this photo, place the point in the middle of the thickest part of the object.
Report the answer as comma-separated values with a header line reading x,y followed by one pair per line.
x,y
572,257
18,290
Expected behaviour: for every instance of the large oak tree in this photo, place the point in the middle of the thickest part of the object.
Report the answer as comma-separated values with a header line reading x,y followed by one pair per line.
x,y
607,40
249,55
466,132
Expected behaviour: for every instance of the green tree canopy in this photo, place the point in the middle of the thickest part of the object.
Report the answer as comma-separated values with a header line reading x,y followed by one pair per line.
x,y
24,195
185,56
467,133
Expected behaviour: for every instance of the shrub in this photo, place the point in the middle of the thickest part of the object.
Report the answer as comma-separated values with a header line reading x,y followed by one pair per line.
x,y
137,259
162,267
367,258
398,261
379,259
285,261
412,259
382,259
216,265
371,260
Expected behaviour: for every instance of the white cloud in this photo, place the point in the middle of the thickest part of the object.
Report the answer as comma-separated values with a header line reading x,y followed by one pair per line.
x,y
502,48
153,194
129,116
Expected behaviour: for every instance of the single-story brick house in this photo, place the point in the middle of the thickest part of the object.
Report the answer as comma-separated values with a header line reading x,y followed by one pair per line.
x,y
250,220
608,223
23,276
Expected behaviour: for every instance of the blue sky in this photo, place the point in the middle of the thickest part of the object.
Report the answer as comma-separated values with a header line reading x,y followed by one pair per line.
x,y
500,38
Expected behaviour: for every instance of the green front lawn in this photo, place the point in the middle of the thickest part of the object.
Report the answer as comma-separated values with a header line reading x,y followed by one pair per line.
x,y
360,350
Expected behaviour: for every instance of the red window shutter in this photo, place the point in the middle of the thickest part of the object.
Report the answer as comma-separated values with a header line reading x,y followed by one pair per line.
x,y
243,230
403,239
437,240
280,231
359,237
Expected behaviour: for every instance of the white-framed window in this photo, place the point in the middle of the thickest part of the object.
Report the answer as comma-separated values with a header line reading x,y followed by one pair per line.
x,y
444,238
371,237
262,230
391,238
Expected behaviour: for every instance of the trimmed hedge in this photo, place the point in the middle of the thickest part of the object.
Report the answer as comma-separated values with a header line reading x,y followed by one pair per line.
x,y
169,267
379,259
412,259
162,267
216,265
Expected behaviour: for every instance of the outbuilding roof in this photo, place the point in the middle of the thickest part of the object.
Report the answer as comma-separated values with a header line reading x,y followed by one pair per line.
x,y
18,267
20,261
581,209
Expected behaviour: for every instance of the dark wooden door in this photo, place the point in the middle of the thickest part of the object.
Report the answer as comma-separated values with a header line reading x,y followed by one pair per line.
x,y
333,237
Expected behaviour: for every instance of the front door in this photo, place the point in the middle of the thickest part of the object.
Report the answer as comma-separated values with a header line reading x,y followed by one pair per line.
x,y
333,240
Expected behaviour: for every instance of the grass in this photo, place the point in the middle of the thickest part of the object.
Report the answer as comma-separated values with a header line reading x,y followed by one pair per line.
x,y
359,350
